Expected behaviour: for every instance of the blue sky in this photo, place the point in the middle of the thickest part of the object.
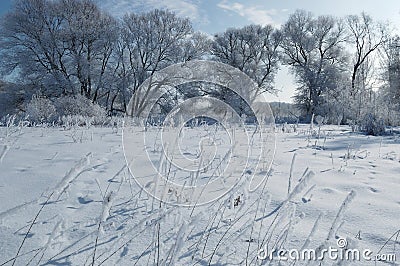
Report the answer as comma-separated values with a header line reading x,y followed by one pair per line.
x,y
212,16
5,5
216,15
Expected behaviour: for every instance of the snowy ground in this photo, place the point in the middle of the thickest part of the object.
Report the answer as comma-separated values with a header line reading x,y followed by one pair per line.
x,y
66,198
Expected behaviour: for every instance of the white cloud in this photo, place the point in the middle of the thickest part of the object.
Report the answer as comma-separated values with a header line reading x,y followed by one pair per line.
x,y
252,13
183,8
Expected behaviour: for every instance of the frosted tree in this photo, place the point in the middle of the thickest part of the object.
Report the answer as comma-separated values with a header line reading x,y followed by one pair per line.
x,y
313,48
154,40
252,49
157,39
30,44
90,37
57,45
366,36
389,94
394,68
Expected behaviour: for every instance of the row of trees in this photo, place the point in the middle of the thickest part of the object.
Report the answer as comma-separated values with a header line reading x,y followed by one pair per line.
x,y
69,47
333,61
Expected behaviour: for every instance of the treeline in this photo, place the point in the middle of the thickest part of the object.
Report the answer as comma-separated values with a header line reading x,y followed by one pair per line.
x,y
347,69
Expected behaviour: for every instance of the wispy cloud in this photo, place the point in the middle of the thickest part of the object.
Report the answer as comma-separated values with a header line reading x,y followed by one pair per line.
x,y
183,8
254,14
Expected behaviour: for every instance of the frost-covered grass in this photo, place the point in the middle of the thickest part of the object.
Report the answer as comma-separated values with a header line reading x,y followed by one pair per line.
x,y
67,198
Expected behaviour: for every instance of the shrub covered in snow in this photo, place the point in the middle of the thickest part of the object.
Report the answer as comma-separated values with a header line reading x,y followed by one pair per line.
x,y
78,105
372,125
67,110
41,109
79,110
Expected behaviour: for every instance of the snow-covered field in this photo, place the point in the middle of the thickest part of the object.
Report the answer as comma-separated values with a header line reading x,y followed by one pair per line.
x,y
67,198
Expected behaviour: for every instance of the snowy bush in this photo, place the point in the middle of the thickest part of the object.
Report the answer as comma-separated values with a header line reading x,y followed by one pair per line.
x,y
372,125
79,110
41,110
74,110
78,105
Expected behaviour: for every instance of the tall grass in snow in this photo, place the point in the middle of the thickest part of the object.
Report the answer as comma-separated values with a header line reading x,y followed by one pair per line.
x,y
144,230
